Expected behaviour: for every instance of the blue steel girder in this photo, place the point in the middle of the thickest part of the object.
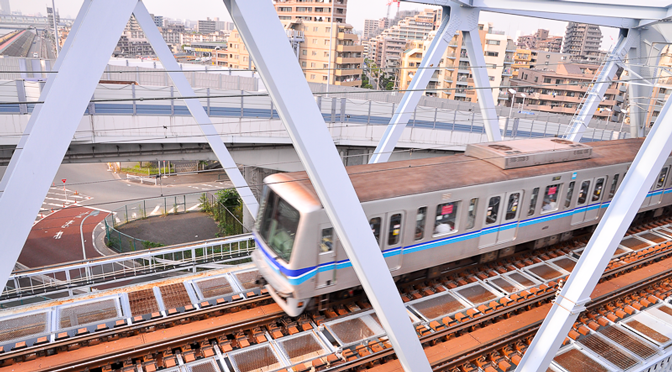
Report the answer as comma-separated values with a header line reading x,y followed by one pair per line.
x,y
597,12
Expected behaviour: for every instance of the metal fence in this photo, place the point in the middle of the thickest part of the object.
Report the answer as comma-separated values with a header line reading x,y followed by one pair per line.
x,y
83,275
144,209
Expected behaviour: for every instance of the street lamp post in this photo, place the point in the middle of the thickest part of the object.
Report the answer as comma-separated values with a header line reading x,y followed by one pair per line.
x,y
513,98
522,106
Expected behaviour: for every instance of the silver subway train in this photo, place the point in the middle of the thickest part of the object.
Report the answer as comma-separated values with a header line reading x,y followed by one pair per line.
x,y
429,212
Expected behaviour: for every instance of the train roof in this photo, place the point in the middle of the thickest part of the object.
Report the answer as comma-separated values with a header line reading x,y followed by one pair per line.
x,y
400,178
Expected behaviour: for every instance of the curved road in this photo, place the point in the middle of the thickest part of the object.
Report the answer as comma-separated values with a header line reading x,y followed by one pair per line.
x,y
57,239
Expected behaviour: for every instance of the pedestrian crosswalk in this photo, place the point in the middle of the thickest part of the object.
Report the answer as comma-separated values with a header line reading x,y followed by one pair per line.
x,y
58,198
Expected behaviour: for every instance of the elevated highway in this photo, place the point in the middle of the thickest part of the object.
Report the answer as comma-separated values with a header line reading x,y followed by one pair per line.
x,y
129,122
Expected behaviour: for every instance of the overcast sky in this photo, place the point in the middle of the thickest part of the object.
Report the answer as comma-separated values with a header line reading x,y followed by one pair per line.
x,y
358,10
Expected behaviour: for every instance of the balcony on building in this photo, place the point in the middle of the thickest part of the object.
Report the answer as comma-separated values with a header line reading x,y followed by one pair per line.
x,y
461,92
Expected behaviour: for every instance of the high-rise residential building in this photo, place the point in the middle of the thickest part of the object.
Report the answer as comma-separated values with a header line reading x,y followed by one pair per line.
x,y
560,91
158,21
311,41
582,40
4,7
50,17
373,27
206,26
498,51
453,78
318,11
389,45
328,53
540,40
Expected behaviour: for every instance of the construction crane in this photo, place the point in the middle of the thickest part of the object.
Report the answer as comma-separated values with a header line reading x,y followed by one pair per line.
x,y
389,4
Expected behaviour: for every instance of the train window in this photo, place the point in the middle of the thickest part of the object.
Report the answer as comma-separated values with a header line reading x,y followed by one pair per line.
x,y
533,201
583,192
395,229
420,220
493,210
471,216
550,202
278,225
512,206
614,183
327,241
445,218
597,193
375,227
570,191
661,178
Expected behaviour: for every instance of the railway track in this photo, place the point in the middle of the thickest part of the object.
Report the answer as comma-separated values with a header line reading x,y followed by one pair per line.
x,y
235,332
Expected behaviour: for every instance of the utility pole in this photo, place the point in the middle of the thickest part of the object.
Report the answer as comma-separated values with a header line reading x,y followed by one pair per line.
x,y
331,42
53,14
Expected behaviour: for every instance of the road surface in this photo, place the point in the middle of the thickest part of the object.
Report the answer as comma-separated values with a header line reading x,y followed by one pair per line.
x,y
57,238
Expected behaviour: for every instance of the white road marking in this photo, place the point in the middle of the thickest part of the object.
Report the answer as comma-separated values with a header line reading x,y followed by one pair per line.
x,y
67,224
156,210
171,211
58,235
194,207
118,220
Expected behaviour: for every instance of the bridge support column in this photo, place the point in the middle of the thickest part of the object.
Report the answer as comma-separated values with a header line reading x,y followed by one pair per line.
x,y
455,18
180,81
472,40
265,38
602,245
46,140
644,54
596,92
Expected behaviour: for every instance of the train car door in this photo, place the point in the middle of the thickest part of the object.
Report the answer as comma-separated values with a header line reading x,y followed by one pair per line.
x,y
491,225
658,187
509,226
392,240
581,201
326,257
593,210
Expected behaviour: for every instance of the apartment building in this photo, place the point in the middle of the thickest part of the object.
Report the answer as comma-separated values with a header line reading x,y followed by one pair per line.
x,y
390,44
540,40
373,27
453,79
206,26
311,10
560,91
522,59
312,42
582,40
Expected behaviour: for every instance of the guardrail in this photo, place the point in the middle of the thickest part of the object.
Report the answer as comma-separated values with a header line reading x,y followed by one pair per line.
x,y
84,275
142,179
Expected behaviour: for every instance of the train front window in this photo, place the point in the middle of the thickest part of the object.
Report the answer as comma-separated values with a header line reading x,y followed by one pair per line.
x,y
278,225
550,202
